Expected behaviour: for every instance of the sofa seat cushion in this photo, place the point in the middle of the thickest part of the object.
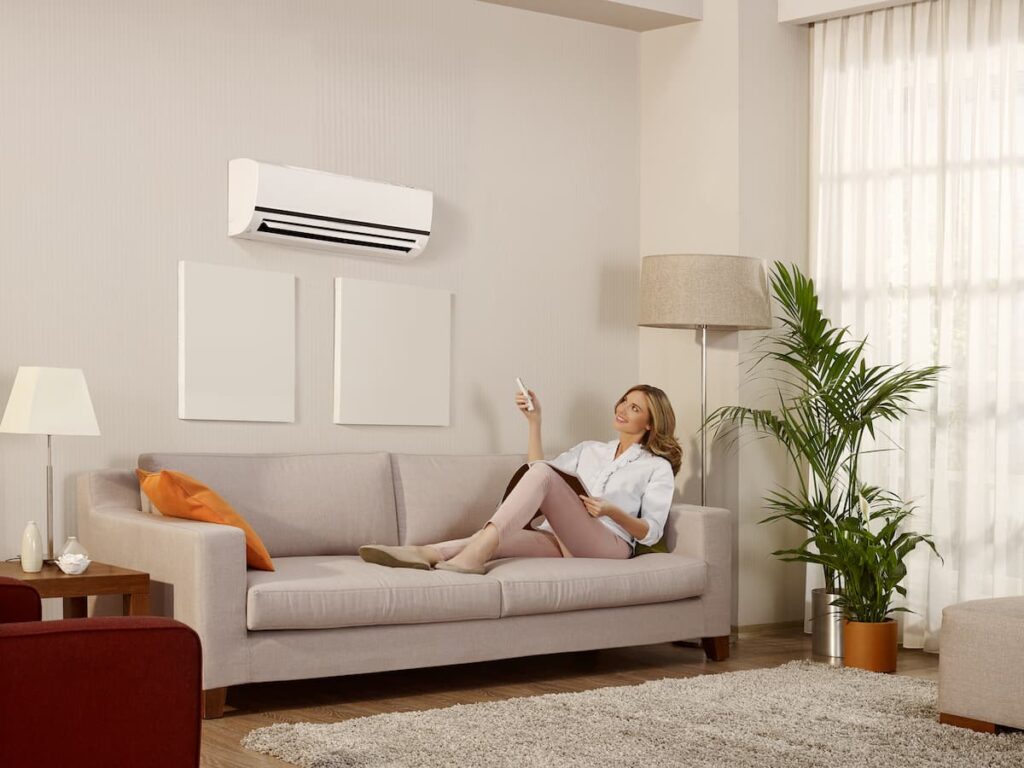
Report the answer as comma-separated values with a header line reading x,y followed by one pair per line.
x,y
325,592
554,584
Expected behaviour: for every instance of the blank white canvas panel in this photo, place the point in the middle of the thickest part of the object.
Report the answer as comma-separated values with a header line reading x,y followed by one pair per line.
x,y
392,353
236,343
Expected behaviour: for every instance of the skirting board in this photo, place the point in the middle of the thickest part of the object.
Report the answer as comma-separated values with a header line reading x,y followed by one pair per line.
x,y
762,629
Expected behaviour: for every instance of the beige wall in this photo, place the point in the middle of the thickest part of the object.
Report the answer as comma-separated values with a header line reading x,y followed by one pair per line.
x,y
774,123
723,170
534,132
119,118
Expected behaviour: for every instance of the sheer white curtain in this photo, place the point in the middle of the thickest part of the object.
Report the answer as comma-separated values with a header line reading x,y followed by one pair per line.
x,y
917,241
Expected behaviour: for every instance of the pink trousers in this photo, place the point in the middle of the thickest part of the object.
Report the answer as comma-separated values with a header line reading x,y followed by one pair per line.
x,y
541,489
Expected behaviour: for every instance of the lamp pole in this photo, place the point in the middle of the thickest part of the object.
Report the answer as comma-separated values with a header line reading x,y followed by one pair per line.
x,y
49,498
703,412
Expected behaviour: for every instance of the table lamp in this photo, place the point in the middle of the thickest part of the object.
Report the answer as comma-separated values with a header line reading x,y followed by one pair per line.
x,y
49,401
708,293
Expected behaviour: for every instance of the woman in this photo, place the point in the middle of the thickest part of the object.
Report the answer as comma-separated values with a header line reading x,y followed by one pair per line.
x,y
632,479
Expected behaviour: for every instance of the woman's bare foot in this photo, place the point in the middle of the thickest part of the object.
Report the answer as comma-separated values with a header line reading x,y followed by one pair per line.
x,y
478,551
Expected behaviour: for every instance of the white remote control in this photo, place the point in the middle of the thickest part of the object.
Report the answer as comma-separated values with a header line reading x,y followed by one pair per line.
x,y
526,393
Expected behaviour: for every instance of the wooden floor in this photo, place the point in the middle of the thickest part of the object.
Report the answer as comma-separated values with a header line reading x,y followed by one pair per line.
x,y
340,698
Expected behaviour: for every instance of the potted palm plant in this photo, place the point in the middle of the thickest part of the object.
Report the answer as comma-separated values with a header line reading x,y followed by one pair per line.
x,y
868,550
828,401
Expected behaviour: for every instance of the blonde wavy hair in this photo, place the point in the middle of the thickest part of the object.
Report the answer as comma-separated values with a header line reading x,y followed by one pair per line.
x,y
660,438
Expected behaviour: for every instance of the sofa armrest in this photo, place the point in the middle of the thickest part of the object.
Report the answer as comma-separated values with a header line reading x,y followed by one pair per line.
x,y
203,563
706,533
99,692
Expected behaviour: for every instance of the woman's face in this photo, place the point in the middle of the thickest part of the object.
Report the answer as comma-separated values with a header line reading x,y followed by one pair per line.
x,y
632,415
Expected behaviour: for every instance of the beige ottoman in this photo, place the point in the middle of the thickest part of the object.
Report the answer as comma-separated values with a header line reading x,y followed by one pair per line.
x,y
981,664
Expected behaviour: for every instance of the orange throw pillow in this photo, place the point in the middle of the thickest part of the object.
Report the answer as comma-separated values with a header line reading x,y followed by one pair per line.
x,y
175,494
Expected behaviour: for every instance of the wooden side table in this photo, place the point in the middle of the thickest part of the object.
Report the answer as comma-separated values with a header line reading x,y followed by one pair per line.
x,y
99,579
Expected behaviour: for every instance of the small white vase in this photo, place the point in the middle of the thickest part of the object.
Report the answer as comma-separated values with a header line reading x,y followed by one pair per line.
x,y
31,549
73,547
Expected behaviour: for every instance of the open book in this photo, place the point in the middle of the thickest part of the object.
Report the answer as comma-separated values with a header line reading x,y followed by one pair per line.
x,y
574,480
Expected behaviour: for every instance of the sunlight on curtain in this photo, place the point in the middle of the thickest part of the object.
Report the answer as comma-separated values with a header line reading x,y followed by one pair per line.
x,y
917,241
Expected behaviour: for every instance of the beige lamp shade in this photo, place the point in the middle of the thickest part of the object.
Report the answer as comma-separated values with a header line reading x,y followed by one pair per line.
x,y
49,401
724,293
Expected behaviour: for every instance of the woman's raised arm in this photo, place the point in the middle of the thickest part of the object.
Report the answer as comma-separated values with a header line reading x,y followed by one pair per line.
x,y
535,449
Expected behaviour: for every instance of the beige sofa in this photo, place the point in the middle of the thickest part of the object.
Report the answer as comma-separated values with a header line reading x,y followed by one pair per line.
x,y
981,664
325,612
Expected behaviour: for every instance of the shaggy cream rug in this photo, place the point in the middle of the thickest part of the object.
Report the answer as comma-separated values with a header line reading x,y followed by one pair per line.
x,y
800,714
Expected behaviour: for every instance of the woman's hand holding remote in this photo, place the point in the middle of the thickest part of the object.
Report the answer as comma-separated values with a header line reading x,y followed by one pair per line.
x,y
534,450
531,416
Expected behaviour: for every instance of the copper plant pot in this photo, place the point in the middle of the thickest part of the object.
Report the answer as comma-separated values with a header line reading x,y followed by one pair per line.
x,y
870,645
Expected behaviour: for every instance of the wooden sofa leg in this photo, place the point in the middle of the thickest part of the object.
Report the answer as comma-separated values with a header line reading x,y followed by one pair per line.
x,y
716,648
213,703
967,722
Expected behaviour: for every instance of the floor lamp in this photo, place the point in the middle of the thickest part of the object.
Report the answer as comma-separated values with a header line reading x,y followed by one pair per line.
x,y
49,401
708,293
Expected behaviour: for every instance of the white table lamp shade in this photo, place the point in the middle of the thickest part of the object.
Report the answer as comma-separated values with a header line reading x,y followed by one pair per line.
x,y
49,401
724,293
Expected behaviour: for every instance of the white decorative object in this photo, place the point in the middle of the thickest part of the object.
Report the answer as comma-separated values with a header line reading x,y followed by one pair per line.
x,y
236,343
73,564
326,211
49,401
392,354
73,547
31,549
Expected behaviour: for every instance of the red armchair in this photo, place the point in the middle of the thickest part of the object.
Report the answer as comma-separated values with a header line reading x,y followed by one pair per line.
x,y
95,692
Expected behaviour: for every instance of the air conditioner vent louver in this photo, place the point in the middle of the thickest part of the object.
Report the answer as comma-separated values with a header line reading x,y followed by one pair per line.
x,y
327,235
313,209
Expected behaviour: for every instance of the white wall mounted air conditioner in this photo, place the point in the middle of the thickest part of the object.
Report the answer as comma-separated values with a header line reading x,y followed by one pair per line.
x,y
326,211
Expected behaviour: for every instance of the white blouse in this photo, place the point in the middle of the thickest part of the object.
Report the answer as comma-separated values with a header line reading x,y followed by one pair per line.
x,y
638,482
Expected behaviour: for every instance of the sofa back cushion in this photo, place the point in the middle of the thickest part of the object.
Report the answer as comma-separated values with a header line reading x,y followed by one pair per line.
x,y
447,497
299,504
